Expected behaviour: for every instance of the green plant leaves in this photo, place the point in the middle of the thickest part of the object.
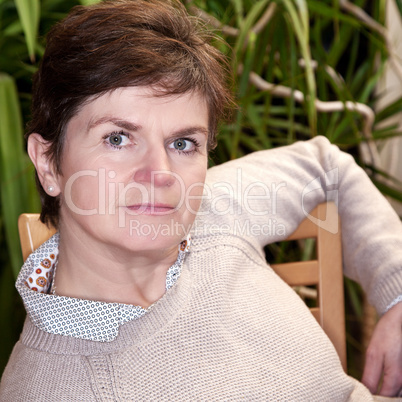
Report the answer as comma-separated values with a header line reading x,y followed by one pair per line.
x,y
399,5
299,18
29,13
16,174
89,2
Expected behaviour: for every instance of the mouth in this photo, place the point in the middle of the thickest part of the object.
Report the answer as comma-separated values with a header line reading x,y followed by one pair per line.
x,y
151,209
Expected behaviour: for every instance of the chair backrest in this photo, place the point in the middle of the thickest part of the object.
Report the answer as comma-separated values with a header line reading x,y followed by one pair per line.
x,y
32,233
325,272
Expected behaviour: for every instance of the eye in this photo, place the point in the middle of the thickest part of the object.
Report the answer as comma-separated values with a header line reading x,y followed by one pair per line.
x,y
117,140
180,144
185,145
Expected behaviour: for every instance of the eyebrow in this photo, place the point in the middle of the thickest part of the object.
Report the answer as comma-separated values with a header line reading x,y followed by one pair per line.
x,y
191,131
127,125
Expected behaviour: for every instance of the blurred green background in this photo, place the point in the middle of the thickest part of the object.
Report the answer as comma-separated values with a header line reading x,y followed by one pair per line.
x,y
301,68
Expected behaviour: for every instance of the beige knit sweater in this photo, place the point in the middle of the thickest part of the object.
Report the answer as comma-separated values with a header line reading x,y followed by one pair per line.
x,y
230,329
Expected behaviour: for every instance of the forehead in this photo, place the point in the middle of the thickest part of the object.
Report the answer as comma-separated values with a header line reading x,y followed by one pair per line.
x,y
143,104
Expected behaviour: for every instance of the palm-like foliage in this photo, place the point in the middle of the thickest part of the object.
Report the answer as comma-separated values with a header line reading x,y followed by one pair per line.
x,y
305,68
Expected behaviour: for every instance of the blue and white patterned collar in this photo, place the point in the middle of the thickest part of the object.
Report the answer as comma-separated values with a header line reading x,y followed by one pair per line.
x,y
85,319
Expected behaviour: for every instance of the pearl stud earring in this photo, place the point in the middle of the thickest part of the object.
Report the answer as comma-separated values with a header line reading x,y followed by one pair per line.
x,y
50,189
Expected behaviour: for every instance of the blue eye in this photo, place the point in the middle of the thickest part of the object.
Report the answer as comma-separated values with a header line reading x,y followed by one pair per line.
x,y
180,144
115,139
185,146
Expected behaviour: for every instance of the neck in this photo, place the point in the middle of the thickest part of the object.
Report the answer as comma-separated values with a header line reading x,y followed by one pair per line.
x,y
92,271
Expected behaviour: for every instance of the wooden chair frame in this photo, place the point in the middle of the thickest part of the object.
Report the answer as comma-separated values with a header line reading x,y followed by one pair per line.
x,y
32,233
325,272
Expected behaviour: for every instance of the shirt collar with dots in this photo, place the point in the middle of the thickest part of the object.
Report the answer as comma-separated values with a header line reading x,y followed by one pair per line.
x,y
85,319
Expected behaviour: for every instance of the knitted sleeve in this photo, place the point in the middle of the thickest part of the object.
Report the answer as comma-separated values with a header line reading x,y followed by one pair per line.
x,y
263,196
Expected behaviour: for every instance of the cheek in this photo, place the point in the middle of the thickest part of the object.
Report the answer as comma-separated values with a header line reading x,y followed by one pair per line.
x,y
81,191
194,190
89,182
100,189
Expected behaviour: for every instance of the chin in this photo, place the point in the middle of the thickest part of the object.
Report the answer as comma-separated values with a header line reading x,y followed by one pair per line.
x,y
149,244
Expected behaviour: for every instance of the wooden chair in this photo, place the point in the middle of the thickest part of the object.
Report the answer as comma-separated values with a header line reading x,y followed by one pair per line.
x,y
32,233
325,272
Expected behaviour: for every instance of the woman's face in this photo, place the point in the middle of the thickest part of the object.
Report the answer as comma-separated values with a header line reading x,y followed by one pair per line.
x,y
133,169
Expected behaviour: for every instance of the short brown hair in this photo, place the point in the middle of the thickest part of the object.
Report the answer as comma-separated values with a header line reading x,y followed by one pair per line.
x,y
122,43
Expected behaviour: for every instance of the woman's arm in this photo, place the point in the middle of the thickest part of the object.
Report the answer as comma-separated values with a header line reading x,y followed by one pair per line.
x,y
296,179
280,187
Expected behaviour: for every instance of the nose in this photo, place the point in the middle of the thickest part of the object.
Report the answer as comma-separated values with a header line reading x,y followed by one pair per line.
x,y
155,169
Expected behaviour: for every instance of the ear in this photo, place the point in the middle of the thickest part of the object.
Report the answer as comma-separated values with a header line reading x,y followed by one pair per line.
x,y
37,151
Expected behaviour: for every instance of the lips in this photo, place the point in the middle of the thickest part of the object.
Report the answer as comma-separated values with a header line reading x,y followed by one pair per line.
x,y
151,209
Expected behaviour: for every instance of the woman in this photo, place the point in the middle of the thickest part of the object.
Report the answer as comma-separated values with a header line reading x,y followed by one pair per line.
x,y
156,287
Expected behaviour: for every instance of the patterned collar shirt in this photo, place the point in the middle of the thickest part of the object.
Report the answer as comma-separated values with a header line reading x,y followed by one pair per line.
x,y
85,319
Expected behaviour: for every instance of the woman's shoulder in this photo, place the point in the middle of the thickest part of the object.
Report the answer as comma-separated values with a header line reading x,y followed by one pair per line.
x,y
32,373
